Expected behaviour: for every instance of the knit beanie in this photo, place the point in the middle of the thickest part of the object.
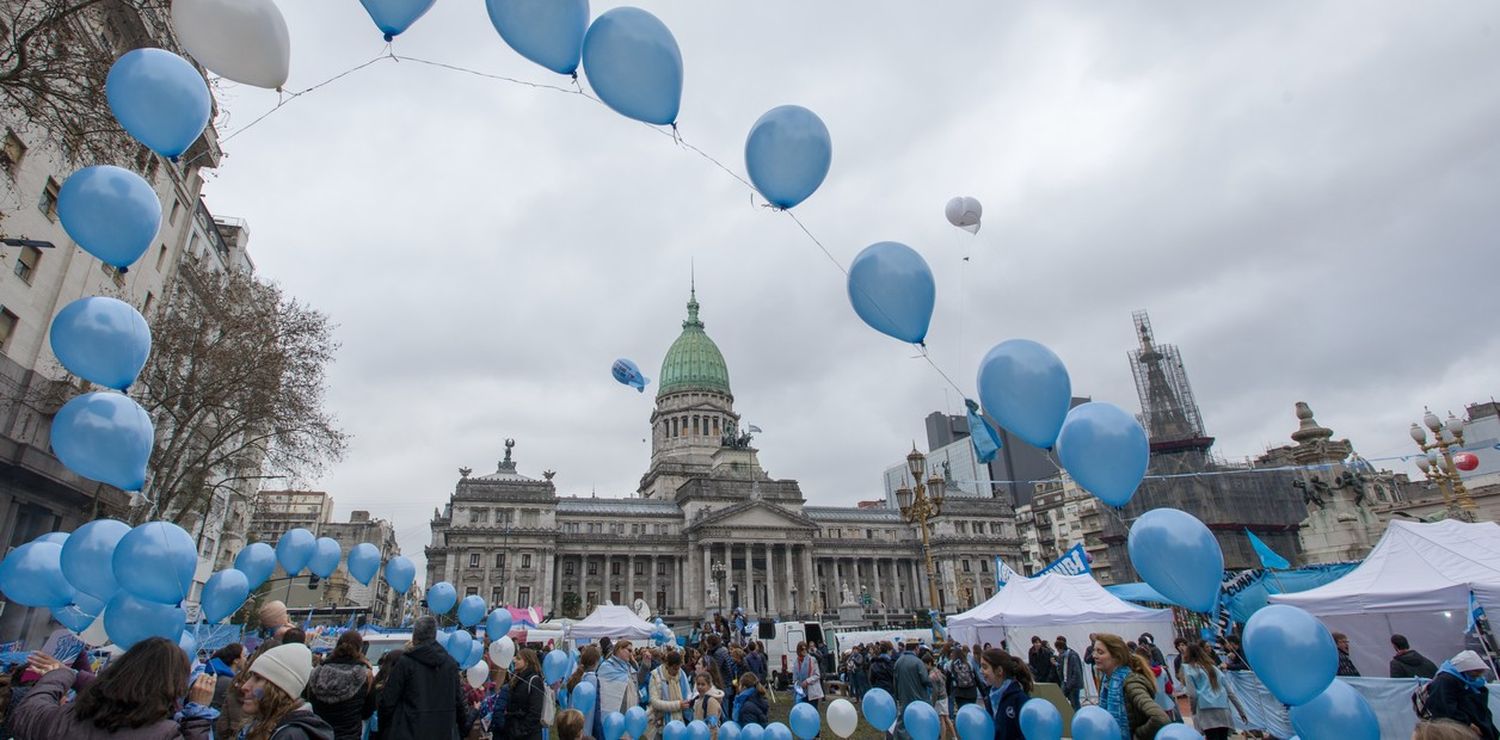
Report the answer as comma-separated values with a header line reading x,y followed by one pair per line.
x,y
287,666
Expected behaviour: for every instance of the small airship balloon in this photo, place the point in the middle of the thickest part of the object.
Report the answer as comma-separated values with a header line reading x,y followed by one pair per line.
x,y
1466,461
627,373
964,212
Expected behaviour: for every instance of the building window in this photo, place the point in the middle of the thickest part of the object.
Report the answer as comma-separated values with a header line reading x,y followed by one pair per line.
x,y
984,566
593,571
525,561
8,323
614,596
478,516
567,569
161,257
172,219
499,561
150,301
48,203
592,599
523,597
640,568
473,560
26,263
12,152
963,527
966,565
661,567
614,568
471,591
495,596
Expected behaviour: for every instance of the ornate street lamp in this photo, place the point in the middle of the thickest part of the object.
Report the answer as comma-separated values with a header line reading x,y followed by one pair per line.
x,y
919,504
1438,464
719,572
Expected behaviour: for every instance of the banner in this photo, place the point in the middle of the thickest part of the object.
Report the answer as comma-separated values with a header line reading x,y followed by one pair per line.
x,y
1074,562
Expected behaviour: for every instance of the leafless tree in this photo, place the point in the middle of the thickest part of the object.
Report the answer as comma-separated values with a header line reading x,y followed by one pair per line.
x,y
235,386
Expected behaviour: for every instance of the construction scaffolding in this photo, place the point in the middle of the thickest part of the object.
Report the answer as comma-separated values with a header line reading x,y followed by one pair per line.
x,y
1168,410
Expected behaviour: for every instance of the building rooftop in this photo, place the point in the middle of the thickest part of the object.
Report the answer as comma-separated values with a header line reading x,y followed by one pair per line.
x,y
693,362
619,506
852,514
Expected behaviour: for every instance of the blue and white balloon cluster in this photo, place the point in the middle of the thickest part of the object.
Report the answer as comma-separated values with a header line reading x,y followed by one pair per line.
x,y
1293,654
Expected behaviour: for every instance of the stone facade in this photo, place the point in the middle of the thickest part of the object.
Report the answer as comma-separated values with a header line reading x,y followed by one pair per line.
x,y
709,529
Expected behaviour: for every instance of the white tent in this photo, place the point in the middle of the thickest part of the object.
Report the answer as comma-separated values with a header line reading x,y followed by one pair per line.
x,y
1052,605
614,622
1416,582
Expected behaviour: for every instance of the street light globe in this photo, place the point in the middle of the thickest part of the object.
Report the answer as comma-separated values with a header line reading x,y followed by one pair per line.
x,y
903,498
1423,464
1432,421
916,462
1454,424
1417,434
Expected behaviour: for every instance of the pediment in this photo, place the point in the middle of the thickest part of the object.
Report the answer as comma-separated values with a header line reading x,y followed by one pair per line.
x,y
754,515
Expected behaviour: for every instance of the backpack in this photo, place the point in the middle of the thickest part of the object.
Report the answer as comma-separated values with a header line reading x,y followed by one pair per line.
x,y
1419,701
963,674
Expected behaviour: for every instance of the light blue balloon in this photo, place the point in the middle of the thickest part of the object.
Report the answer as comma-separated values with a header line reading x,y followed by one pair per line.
x,y
1291,652
56,538
160,99
614,726
364,562
879,709
730,730
633,63
476,654
295,549
1176,731
778,731
326,556
459,643
675,730
104,436
1094,723
257,561
111,212
393,17
548,32
787,154
498,624
224,594
155,561
129,620
804,720
555,666
1176,554
635,722
1040,720
32,575
1339,712
1026,388
189,644
400,573
921,721
470,610
892,289
441,597
753,732
89,554
79,615
1105,450
697,730
102,340
973,723
585,695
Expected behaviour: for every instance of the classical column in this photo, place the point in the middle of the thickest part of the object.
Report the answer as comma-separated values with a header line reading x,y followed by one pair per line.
x,y
791,579
630,580
838,583
770,581
708,575
879,584
809,577
651,584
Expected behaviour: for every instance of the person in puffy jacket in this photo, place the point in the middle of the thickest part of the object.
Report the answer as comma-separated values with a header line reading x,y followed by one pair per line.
x,y
883,670
135,698
750,705
528,696
1012,684
272,697
338,687
1129,691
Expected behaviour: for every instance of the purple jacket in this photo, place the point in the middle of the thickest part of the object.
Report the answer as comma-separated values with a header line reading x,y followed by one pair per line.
x,y
41,715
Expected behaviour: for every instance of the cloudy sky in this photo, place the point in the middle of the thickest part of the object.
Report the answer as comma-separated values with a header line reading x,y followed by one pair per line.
x,y
1302,194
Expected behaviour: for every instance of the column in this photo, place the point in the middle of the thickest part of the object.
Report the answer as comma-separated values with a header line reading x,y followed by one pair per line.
x,y
808,577
630,580
879,584
739,589
770,581
791,579
706,579
677,592
837,597
651,584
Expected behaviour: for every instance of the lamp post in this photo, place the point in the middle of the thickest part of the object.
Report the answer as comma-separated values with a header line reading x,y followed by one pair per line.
x,y
720,572
920,504
1438,465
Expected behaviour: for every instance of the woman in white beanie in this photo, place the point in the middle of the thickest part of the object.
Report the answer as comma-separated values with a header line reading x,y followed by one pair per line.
x,y
272,696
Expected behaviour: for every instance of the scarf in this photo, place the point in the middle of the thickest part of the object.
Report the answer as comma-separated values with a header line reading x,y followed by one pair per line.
x,y
1475,685
217,668
1114,698
740,699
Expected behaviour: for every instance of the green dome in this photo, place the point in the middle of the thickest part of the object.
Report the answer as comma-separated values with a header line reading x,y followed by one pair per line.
x,y
694,361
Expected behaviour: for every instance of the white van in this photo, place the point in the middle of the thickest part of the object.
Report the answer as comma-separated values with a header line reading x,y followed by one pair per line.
x,y
780,640
842,640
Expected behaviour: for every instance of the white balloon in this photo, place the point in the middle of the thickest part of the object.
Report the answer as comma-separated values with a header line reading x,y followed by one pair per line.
x,y
842,717
965,213
241,40
502,652
477,673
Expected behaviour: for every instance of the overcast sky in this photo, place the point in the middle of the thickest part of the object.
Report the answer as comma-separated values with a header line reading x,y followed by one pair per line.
x,y
1303,195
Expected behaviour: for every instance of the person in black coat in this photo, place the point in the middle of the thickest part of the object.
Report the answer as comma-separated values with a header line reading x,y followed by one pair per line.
x,y
1409,663
528,694
338,688
1011,680
423,699
883,670
1459,693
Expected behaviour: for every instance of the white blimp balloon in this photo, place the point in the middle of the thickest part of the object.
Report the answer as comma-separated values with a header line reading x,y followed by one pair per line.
x,y
241,40
964,212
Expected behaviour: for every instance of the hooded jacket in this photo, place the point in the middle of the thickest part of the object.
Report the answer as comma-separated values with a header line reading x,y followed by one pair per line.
x,y
750,707
523,710
422,700
41,715
709,707
883,673
1452,695
302,724
1411,664
337,690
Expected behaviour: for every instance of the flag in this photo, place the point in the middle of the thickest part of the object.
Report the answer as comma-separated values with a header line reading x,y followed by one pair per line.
x,y
1476,613
755,429
986,441
1268,557
1072,563
1003,573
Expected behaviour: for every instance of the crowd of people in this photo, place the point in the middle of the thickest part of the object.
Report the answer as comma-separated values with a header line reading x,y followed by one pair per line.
x,y
281,691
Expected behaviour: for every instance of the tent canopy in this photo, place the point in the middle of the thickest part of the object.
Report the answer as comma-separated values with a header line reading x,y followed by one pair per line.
x,y
613,622
1054,599
1416,583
